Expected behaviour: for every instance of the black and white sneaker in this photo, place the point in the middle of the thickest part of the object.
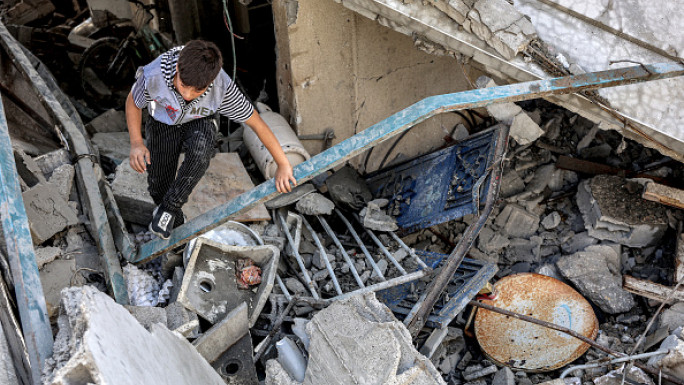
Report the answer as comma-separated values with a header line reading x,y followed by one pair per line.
x,y
162,223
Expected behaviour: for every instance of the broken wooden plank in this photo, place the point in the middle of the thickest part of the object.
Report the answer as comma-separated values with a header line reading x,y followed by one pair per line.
x,y
587,167
650,289
664,194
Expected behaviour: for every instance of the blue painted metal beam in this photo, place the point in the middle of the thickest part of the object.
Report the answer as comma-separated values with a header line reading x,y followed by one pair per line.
x,y
27,287
402,121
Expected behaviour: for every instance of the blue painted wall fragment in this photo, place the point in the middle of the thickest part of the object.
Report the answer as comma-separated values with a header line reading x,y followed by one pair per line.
x,y
396,124
22,259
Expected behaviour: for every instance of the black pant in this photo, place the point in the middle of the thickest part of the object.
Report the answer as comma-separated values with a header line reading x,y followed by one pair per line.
x,y
168,188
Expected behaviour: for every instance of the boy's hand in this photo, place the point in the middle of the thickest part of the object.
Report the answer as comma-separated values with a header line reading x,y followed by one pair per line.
x,y
139,157
283,177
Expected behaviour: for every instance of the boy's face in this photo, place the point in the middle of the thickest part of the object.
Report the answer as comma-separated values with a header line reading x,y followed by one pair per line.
x,y
188,93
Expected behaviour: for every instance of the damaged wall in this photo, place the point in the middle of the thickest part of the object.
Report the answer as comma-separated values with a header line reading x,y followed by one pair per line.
x,y
339,70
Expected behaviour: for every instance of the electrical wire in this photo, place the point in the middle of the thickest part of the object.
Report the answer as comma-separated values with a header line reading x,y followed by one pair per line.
x,y
226,18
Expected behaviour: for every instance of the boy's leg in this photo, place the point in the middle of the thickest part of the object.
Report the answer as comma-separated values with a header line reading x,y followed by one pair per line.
x,y
165,143
198,144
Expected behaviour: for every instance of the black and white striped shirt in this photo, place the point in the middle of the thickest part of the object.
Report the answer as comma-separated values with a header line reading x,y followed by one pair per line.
x,y
234,106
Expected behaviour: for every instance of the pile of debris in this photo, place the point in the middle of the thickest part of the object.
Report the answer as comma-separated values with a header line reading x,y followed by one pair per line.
x,y
326,284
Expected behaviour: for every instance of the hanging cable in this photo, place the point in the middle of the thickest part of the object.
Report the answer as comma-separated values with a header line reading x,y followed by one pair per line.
x,y
226,19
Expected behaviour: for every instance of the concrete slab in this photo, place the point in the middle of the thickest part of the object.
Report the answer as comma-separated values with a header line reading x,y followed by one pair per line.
x,y
131,195
47,211
107,122
225,179
358,340
613,210
148,315
54,277
114,145
210,285
100,342
45,255
52,160
63,178
596,274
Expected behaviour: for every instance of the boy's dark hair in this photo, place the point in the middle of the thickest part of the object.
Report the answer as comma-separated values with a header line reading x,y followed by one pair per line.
x,y
198,63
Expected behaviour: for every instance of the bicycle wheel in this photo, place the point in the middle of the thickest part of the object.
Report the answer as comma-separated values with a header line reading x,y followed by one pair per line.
x,y
107,73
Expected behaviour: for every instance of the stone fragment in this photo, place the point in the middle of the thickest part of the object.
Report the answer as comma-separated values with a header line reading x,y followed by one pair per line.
x,y
131,195
474,372
52,160
48,212
295,286
179,318
276,375
148,315
673,317
347,189
612,209
517,222
63,178
511,184
46,255
551,221
108,122
614,377
100,342
358,341
113,145
523,129
318,260
8,375
504,376
382,266
541,179
374,218
596,274
577,242
54,277
524,250
315,204
674,360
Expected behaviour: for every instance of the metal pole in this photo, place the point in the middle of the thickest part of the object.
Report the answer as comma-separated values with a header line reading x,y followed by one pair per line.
x,y
22,259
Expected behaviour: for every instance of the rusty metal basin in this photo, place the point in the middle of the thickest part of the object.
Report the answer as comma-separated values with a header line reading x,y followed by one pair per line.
x,y
523,345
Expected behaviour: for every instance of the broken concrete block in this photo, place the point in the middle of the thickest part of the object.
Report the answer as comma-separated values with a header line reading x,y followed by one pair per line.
x,y
100,342
295,286
8,375
504,376
315,204
114,145
523,129
148,315
348,190
612,209
48,212
577,242
358,340
180,319
614,377
673,317
500,24
374,217
455,9
63,178
54,277
517,222
52,160
27,168
596,274
227,346
108,122
551,221
276,374
210,284
511,184
45,255
131,195
674,360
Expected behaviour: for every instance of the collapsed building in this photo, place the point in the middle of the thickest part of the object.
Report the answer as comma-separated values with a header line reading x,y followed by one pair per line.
x,y
498,233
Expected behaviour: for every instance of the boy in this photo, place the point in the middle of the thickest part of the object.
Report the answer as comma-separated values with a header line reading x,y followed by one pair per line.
x,y
182,89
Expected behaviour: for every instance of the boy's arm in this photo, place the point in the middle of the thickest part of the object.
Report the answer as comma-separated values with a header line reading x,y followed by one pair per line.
x,y
139,155
283,175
